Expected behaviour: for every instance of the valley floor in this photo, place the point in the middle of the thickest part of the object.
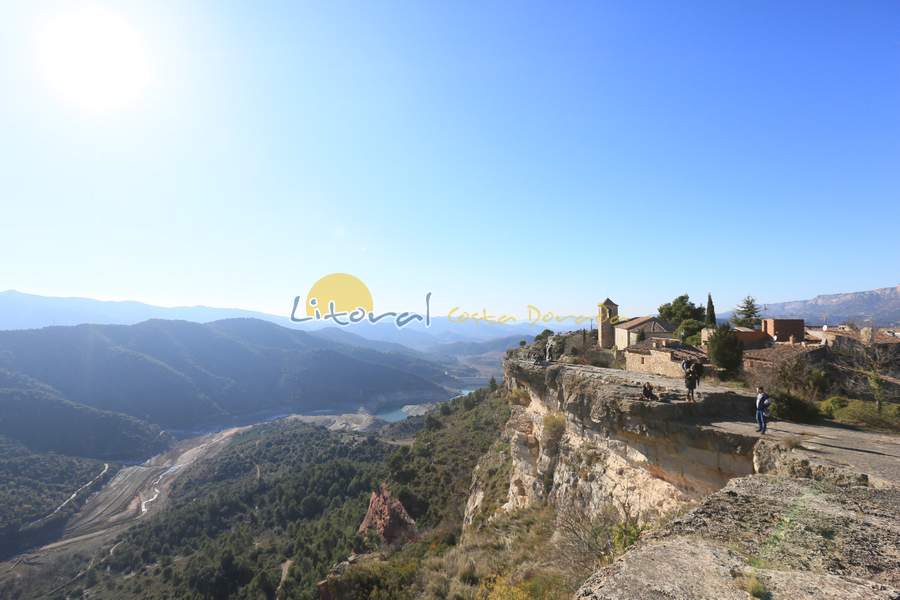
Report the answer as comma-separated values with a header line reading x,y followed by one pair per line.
x,y
134,493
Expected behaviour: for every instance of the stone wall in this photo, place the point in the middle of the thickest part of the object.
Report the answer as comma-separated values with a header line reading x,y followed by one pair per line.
x,y
657,362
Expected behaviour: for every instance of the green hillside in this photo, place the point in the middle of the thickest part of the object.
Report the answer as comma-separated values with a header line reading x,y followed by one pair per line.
x,y
179,374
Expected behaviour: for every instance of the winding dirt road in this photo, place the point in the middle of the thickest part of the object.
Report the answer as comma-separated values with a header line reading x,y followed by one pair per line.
x,y
132,494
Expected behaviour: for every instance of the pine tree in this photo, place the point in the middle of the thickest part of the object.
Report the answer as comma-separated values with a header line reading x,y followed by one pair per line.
x,y
747,314
710,311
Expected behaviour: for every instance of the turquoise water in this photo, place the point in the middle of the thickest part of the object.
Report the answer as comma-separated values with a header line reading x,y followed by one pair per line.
x,y
393,415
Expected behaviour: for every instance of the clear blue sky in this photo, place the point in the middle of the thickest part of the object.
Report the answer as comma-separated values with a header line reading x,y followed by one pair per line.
x,y
496,154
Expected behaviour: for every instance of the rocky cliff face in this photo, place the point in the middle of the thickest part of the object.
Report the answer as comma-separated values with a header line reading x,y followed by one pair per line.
x,y
606,443
760,519
800,531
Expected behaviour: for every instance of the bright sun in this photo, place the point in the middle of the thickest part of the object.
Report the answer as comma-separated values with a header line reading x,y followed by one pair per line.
x,y
94,59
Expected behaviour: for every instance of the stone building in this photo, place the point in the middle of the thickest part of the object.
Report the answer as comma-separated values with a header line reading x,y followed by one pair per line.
x,y
661,357
631,331
751,338
784,330
607,313
764,362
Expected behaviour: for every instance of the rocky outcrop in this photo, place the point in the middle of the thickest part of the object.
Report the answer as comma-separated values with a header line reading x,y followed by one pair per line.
x,y
761,518
789,537
388,519
652,457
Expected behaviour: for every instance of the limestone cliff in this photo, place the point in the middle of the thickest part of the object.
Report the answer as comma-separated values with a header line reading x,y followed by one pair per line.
x,y
654,457
774,519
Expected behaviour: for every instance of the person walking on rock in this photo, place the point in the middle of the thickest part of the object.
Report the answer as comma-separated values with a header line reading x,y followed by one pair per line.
x,y
762,405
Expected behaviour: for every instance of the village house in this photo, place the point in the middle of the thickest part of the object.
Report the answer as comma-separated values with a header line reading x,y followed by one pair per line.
x,y
764,362
634,330
751,338
842,336
784,330
661,356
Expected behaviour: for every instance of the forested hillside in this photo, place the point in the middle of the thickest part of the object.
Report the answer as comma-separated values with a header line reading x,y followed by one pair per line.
x,y
179,374
38,417
32,486
282,504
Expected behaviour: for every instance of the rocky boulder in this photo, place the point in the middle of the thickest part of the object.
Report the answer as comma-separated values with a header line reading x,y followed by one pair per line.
x,y
388,519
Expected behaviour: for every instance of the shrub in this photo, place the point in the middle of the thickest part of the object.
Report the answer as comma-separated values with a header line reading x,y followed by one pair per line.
x,y
625,534
689,331
865,413
799,376
754,586
832,405
788,407
554,428
725,349
520,397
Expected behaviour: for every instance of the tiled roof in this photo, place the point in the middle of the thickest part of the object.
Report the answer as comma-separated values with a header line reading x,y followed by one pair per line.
x,y
638,321
779,352
881,336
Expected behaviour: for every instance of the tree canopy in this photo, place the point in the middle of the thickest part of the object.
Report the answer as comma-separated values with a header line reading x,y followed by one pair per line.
x,y
679,309
747,313
689,331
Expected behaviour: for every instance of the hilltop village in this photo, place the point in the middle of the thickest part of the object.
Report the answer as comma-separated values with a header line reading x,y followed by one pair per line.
x,y
803,362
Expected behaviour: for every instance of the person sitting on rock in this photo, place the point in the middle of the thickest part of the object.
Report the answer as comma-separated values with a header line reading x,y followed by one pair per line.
x,y
647,392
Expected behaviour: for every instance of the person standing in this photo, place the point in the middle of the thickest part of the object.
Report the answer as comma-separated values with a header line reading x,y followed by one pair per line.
x,y
690,382
762,405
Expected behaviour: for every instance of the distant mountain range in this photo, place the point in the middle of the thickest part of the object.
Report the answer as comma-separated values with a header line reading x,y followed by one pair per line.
x,y
19,310
880,307
118,385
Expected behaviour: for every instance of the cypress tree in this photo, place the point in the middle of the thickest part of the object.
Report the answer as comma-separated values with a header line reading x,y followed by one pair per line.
x,y
710,311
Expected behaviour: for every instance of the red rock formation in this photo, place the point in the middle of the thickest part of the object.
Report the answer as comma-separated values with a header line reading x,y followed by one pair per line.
x,y
388,519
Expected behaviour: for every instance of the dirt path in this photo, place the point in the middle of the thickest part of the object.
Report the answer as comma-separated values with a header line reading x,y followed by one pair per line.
x,y
72,497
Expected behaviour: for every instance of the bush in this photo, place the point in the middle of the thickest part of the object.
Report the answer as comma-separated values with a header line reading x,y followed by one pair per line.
x,y
519,396
554,428
832,405
725,349
754,586
788,407
862,412
689,331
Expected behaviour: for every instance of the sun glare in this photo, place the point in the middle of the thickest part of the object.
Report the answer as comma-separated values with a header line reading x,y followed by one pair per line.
x,y
94,59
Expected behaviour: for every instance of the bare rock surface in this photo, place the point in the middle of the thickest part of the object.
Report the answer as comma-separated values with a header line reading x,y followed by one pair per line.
x,y
388,519
804,511
696,569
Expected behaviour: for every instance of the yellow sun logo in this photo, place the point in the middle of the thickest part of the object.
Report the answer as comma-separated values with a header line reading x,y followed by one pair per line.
x,y
347,292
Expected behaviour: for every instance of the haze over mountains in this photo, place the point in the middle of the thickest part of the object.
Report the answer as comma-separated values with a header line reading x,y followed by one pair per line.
x,y
20,310
178,374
